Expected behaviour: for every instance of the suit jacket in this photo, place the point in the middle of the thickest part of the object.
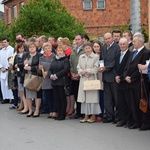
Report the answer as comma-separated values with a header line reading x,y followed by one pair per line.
x,y
109,60
119,69
132,67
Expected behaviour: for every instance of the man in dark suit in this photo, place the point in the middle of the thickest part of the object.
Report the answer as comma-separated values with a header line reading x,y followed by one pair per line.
x,y
132,76
108,53
122,93
128,35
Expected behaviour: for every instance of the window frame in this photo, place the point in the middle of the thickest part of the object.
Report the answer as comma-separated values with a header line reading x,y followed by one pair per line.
x,y
104,2
15,11
9,16
84,1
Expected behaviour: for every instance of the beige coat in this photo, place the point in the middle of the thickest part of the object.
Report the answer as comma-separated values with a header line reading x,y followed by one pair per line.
x,y
90,64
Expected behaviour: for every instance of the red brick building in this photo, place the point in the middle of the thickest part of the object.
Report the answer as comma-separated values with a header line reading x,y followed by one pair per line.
x,y
98,15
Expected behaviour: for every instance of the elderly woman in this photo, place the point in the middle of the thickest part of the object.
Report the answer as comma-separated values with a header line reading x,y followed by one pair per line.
x,y
59,73
47,90
87,68
31,62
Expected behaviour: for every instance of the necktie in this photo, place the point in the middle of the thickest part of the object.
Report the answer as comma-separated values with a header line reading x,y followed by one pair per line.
x,y
135,53
121,57
108,46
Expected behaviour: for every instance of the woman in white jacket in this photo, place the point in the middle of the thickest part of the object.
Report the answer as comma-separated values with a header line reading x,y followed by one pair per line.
x,y
88,68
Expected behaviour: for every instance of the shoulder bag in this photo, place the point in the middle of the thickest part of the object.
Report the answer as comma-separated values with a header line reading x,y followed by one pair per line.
x,y
32,82
143,101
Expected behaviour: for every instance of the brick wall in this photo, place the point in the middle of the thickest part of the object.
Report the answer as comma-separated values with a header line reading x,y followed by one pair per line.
x,y
96,22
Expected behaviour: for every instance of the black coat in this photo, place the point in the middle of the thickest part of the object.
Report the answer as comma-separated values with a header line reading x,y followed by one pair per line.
x,y
132,70
60,67
119,69
34,63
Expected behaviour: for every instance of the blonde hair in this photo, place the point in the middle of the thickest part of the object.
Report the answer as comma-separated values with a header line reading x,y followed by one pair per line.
x,y
65,41
47,44
60,48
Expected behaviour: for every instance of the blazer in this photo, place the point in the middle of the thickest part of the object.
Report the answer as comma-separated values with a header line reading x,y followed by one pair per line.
x,y
132,67
119,69
109,60
60,67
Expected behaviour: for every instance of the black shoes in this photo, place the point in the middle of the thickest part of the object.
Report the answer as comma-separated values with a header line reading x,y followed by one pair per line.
x,y
144,128
35,116
108,120
22,113
121,123
6,101
13,107
135,126
60,118
76,116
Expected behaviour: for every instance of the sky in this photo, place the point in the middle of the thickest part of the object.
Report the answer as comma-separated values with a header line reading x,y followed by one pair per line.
x,y
1,6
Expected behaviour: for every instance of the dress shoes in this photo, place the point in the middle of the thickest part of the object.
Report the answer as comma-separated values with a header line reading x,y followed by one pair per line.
x,y
29,115
134,126
35,116
6,101
115,121
91,121
144,128
75,117
121,124
108,121
13,107
98,119
22,113
50,117
83,120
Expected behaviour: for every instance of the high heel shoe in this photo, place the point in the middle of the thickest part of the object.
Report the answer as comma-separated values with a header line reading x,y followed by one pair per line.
x,y
69,114
35,116
22,113
29,115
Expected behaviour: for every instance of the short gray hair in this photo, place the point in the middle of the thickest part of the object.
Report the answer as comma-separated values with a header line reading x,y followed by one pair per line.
x,y
140,36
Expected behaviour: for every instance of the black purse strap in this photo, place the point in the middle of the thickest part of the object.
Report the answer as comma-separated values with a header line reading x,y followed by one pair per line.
x,y
143,88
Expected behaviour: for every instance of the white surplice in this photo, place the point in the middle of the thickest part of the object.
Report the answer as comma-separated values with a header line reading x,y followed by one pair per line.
x,y
5,53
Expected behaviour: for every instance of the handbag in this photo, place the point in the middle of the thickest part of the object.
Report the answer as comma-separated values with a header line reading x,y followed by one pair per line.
x,y
143,101
32,82
91,84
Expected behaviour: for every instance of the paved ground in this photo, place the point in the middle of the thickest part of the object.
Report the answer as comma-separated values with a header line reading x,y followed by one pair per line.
x,y
17,132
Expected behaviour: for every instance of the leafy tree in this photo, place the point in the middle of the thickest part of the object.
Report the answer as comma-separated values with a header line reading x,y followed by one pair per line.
x,y
46,17
4,31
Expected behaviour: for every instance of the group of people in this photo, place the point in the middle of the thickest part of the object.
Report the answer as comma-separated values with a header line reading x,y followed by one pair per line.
x,y
119,64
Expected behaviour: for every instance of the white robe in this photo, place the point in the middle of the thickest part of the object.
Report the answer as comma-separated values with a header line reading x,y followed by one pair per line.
x,y
5,53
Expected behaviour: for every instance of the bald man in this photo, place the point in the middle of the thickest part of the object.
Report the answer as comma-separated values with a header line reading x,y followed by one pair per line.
x,y
121,59
108,53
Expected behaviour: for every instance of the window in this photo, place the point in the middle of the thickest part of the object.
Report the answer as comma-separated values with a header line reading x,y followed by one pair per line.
x,y
15,11
9,15
100,4
87,4
22,3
